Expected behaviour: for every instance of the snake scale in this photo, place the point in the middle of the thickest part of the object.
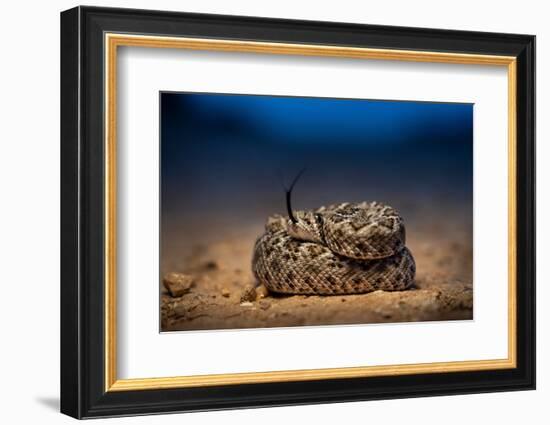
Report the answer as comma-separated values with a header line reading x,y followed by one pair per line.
x,y
340,249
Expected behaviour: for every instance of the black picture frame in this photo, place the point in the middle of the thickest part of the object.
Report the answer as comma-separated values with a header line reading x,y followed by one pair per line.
x,y
83,392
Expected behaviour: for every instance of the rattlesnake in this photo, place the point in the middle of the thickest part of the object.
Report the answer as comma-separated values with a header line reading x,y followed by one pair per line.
x,y
340,249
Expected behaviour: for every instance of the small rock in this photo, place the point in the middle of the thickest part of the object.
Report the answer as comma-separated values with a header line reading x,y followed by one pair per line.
x,y
262,292
246,304
178,283
249,294
264,305
225,292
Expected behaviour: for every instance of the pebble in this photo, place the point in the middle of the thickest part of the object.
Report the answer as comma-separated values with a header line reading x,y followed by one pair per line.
x,y
225,292
246,304
178,284
249,294
264,305
262,292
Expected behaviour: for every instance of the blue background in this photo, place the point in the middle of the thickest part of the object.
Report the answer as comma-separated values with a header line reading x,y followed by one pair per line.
x,y
227,153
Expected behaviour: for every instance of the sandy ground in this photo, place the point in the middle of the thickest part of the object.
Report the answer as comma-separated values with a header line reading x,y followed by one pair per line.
x,y
220,269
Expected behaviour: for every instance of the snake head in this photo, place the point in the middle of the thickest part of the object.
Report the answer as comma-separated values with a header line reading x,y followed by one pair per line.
x,y
304,226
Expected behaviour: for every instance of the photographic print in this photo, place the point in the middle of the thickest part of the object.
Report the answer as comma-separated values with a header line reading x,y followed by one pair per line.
x,y
306,195
299,211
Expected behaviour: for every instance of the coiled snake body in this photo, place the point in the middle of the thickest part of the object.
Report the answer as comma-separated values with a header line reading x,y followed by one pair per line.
x,y
340,249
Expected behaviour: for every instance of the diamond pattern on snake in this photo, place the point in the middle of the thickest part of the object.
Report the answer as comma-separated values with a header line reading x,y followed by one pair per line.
x,y
348,248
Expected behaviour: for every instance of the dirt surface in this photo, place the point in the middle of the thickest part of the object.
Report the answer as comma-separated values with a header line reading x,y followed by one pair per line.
x,y
220,298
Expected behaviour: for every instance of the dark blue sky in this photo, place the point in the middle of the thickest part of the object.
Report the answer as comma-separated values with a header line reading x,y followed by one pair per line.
x,y
218,150
317,120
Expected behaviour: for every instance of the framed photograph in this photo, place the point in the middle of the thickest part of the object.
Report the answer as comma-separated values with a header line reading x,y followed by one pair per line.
x,y
261,212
